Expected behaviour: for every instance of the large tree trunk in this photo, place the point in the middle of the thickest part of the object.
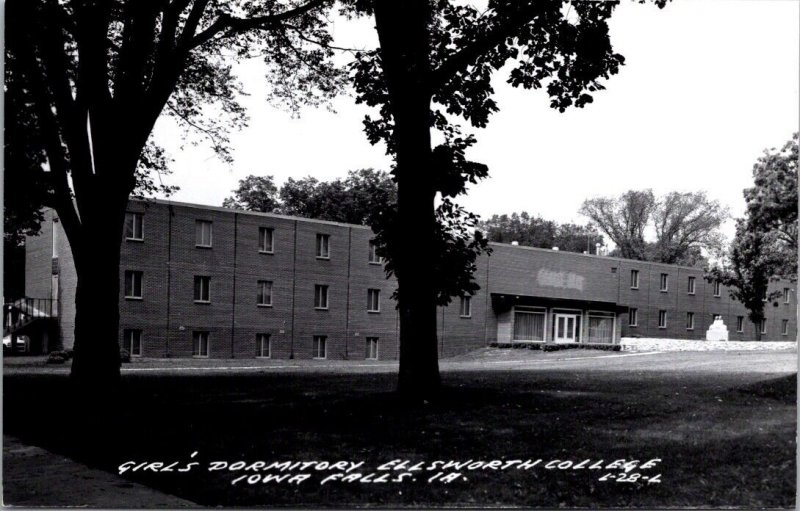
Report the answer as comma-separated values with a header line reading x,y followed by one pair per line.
x,y
403,33
96,250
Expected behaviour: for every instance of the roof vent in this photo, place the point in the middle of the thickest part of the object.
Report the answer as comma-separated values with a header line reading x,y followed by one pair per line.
x,y
515,243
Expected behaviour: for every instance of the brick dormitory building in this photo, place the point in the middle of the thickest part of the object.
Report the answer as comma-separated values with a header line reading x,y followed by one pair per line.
x,y
202,281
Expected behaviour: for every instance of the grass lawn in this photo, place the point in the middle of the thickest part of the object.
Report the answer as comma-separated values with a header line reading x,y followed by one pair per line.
x,y
725,438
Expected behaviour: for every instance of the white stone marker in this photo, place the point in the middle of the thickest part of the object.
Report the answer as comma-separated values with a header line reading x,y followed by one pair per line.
x,y
717,331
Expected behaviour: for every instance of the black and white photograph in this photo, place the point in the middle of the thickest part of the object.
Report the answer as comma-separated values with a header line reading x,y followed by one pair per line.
x,y
400,254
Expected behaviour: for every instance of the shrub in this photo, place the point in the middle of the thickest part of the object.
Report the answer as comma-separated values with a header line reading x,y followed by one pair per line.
x,y
57,357
124,356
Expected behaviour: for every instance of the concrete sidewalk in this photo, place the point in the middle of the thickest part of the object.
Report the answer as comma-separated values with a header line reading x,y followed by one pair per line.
x,y
34,477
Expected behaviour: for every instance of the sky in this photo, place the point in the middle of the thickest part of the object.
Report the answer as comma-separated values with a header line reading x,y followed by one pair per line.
x,y
707,86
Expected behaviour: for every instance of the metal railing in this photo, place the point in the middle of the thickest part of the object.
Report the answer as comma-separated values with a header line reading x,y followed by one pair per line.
x,y
21,312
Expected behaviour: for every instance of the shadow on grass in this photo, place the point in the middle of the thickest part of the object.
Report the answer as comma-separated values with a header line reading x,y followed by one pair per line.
x,y
722,439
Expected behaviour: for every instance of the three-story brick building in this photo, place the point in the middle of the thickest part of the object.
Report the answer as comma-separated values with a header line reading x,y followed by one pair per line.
x,y
212,282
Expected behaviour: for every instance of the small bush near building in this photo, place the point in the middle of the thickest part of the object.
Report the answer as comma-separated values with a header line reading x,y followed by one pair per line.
x,y
124,356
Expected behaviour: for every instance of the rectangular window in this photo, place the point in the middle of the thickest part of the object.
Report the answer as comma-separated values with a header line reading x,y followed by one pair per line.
x,y
664,286
786,295
373,300
662,319
200,344
264,293
784,327
763,326
133,227
716,287
133,285
372,348
633,316
263,346
202,289
740,323
202,233
374,258
690,286
466,306
320,348
690,321
634,279
265,240
320,296
132,342
323,246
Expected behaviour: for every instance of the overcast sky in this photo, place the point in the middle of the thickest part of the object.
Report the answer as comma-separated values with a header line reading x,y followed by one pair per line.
x,y
707,86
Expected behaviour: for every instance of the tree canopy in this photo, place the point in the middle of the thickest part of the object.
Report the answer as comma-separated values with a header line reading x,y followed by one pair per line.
x,y
360,198
684,224
534,231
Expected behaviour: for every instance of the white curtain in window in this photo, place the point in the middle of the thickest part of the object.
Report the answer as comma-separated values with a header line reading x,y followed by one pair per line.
x,y
528,326
601,329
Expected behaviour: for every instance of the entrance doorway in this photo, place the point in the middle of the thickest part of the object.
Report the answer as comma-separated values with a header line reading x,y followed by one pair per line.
x,y
566,327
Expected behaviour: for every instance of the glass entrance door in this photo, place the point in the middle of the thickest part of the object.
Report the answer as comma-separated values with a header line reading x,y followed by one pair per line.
x,y
565,328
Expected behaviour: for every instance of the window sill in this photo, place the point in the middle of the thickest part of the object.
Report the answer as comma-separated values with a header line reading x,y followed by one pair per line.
x,y
321,308
717,296
321,258
662,328
632,326
203,246
266,252
373,312
375,263
263,357
690,294
635,288
264,305
203,302
466,317
135,240
134,298
664,290
320,358
199,356
690,329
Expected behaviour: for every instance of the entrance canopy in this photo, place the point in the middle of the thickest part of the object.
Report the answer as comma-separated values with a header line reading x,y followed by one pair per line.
x,y
504,302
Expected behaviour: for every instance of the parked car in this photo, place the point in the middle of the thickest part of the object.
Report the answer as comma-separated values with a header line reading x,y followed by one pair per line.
x,y
23,344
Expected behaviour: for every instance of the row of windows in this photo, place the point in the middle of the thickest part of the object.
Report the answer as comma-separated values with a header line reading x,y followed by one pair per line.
x,y
201,345
691,284
202,293
204,234
633,321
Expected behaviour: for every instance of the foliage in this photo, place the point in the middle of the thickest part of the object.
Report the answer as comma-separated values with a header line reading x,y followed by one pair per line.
x,y
772,204
360,198
255,193
748,272
684,224
538,232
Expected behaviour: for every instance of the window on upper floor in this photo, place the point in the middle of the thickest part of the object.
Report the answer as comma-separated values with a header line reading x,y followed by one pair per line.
x,y
664,283
690,286
202,233
323,246
787,293
320,296
716,288
266,240
264,297
133,285
373,300
690,321
202,289
784,327
740,324
763,326
634,279
374,258
134,227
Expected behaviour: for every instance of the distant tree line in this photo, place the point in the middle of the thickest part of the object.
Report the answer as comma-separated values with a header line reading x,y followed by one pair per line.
x,y
360,198
535,231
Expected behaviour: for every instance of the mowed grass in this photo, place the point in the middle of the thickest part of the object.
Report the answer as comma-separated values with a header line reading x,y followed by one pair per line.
x,y
725,439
